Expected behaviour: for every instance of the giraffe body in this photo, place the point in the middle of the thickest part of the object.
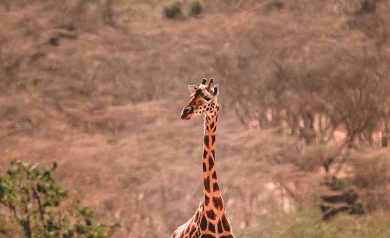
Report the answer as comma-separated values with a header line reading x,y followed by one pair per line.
x,y
210,219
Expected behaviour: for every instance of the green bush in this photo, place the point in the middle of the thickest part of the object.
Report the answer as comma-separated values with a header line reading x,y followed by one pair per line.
x,y
172,9
31,204
196,7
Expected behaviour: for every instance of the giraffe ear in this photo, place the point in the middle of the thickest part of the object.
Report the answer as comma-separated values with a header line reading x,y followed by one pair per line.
x,y
192,88
215,91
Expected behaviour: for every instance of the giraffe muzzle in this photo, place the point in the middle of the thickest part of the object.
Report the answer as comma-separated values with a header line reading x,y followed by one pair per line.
x,y
186,113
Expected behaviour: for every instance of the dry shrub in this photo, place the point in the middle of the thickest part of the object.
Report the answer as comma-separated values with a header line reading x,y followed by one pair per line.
x,y
172,9
315,156
368,6
271,147
372,177
196,7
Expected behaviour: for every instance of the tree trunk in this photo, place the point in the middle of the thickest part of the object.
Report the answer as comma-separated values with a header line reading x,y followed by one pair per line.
x,y
26,227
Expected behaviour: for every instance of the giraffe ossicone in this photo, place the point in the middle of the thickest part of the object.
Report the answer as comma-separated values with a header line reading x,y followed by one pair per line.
x,y
210,219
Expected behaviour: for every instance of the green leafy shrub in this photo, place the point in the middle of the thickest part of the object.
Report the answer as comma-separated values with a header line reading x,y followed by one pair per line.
x,y
172,9
196,7
33,199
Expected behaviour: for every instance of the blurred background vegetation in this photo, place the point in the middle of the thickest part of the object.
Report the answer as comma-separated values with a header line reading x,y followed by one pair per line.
x,y
97,86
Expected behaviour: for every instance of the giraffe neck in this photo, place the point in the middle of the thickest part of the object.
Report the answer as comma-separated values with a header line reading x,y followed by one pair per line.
x,y
212,193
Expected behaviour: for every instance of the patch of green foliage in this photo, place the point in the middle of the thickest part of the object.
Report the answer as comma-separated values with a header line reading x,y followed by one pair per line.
x,y
31,204
196,7
310,225
172,9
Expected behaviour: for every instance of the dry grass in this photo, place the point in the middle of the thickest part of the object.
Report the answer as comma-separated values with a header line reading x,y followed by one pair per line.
x,y
309,224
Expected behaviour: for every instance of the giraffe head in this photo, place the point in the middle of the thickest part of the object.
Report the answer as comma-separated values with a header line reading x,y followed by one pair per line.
x,y
203,100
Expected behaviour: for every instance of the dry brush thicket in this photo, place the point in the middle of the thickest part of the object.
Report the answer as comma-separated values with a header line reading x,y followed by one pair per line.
x,y
319,76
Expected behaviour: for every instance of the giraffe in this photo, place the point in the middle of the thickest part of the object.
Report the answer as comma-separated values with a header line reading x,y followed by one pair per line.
x,y
210,219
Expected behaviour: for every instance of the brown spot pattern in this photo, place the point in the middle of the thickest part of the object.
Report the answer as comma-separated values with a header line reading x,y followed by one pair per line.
x,y
212,139
207,184
217,202
206,200
211,227
206,141
211,214
225,223
211,163
215,187
203,223
207,236
219,225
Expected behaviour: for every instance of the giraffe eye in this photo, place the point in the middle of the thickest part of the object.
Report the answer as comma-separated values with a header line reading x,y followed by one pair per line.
x,y
207,98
